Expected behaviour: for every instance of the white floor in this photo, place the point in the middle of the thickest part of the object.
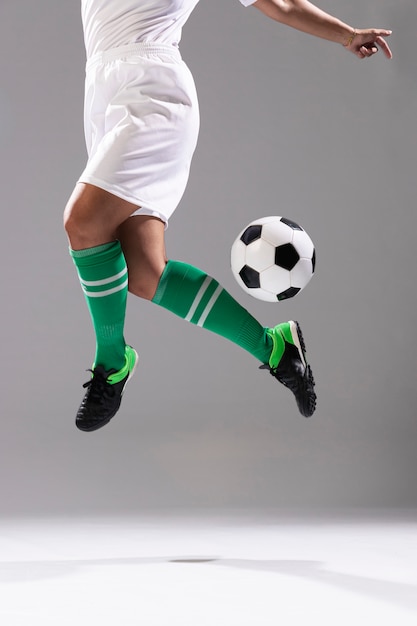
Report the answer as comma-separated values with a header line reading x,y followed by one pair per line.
x,y
210,569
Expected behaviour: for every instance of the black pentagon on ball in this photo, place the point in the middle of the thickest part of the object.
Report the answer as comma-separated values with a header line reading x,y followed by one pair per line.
x,y
250,277
313,261
251,233
290,223
286,256
288,293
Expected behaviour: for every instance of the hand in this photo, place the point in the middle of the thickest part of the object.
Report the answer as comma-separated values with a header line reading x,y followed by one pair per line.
x,y
365,43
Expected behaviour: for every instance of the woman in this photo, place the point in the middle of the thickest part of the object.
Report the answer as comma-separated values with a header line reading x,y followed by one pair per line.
x,y
141,125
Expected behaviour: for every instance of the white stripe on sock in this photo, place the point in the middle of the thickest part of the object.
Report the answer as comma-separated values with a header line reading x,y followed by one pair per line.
x,y
198,298
104,281
209,306
108,292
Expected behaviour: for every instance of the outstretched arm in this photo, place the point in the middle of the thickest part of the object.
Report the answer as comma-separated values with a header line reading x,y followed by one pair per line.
x,y
305,16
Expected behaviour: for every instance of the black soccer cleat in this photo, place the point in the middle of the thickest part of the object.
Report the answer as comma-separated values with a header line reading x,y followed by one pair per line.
x,y
291,368
104,394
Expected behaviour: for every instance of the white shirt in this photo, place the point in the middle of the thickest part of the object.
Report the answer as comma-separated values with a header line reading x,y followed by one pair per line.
x,y
113,23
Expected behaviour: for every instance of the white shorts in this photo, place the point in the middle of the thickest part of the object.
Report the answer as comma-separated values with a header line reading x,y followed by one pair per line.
x,y
141,125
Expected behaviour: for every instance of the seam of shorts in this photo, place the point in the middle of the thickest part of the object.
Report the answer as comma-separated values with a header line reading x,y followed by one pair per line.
x,y
120,193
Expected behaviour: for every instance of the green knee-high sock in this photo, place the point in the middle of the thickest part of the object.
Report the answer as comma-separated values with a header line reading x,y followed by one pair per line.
x,y
196,297
103,275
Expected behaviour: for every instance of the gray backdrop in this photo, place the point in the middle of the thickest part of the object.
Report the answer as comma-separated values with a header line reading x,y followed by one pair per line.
x,y
290,125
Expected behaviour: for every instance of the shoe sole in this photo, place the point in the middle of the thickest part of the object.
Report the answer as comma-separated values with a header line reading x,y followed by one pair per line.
x,y
302,348
299,343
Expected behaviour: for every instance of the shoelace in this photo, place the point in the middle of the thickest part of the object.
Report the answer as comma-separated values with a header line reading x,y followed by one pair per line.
x,y
293,381
98,387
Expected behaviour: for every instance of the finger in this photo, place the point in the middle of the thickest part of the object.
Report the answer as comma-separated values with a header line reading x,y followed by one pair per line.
x,y
384,46
381,32
365,51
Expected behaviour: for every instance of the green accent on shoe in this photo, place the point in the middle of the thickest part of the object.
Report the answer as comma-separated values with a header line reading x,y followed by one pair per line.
x,y
131,360
285,329
279,334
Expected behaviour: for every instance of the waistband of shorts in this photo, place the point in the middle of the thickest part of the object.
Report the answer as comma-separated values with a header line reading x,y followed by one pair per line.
x,y
140,49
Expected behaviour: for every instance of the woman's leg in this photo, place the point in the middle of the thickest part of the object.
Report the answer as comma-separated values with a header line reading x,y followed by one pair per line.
x,y
143,243
196,297
91,219
186,290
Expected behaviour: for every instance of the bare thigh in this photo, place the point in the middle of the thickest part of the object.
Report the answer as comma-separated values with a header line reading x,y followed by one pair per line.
x,y
93,215
143,242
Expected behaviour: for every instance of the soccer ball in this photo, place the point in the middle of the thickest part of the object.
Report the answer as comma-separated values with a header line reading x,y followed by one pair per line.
x,y
273,258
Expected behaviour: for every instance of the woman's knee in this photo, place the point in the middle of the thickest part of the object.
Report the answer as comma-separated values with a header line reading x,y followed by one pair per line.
x,y
80,222
93,215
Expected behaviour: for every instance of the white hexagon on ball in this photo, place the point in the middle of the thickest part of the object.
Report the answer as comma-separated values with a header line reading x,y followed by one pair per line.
x,y
260,255
277,233
301,274
238,256
275,280
303,243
